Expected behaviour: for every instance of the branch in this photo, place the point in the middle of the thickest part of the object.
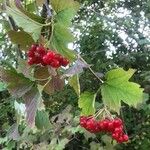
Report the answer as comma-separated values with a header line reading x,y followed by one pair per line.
x,y
49,13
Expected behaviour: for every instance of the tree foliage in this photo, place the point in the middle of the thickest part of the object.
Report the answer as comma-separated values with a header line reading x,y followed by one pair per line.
x,y
42,106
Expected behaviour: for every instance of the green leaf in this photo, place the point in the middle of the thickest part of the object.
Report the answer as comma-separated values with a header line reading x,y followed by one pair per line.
x,y
3,140
18,85
42,120
60,40
58,5
74,82
62,36
11,144
62,49
2,86
60,145
5,24
65,16
28,24
95,146
87,103
22,38
109,145
117,88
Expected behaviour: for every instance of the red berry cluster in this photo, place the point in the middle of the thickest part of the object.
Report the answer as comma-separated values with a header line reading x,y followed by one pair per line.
x,y
38,54
114,127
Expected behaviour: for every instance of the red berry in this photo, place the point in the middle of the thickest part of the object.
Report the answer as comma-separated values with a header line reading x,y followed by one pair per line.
x,y
51,54
120,139
45,59
83,121
41,50
55,63
64,62
101,125
59,57
97,129
111,126
125,137
38,59
90,124
105,123
33,47
118,130
117,122
31,61
30,54
115,136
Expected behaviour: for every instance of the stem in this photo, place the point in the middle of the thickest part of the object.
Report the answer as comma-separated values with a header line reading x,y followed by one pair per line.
x,y
45,25
47,82
108,113
99,112
122,116
91,70
42,79
52,29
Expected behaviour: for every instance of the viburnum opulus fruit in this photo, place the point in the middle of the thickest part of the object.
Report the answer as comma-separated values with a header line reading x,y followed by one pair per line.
x,y
112,126
38,54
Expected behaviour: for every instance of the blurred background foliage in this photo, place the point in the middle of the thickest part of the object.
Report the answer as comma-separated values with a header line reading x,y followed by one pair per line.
x,y
109,33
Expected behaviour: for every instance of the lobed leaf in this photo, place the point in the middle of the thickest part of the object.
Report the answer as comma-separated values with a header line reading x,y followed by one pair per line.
x,y
117,88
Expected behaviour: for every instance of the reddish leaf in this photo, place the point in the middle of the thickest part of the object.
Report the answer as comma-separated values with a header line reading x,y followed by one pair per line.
x,y
32,100
52,71
23,39
25,69
18,85
13,132
41,73
56,84
76,68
